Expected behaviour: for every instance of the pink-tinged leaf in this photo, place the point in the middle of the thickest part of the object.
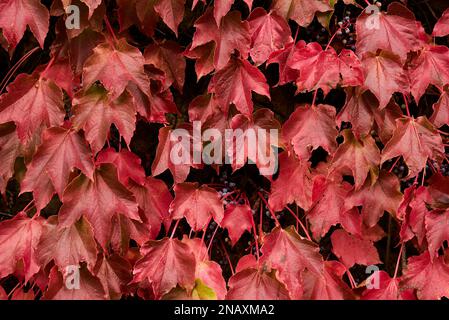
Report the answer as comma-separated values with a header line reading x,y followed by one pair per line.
x,y
18,14
171,12
198,204
376,198
9,151
294,183
353,250
99,200
32,102
395,31
431,66
269,32
61,151
116,67
437,230
328,196
222,7
127,163
67,246
210,273
204,56
168,58
441,28
284,58
310,127
256,138
330,286
361,157
256,284
389,288
290,254
237,219
233,34
165,264
318,68
384,76
416,140
301,11
19,237
359,111
90,287
95,111
114,273
163,160
440,116
413,211
235,82
154,201
429,278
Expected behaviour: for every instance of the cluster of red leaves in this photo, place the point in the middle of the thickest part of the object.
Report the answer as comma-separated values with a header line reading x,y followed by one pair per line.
x,y
119,223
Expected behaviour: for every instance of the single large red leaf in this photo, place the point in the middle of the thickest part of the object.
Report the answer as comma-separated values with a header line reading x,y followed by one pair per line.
x,y
294,183
32,102
353,250
19,238
384,76
310,127
233,34
234,83
237,219
95,111
198,204
301,11
290,254
269,32
429,278
61,151
416,140
165,264
395,31
431,66
18,14
116,67
99,200
67,246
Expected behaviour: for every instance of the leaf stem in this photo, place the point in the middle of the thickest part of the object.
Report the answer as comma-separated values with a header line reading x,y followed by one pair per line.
x,y
269,209
397,262
300,223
